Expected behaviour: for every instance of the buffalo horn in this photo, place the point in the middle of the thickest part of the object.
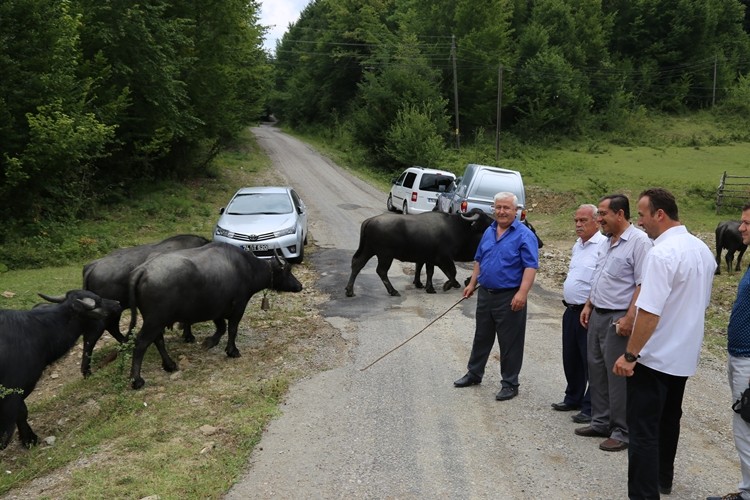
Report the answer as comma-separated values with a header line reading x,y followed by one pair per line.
x,y
56,300
88,303
471,217
279,258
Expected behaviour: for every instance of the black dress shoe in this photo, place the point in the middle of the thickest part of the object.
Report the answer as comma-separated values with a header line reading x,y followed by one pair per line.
x,y
581,418
467,380
565,406
507,393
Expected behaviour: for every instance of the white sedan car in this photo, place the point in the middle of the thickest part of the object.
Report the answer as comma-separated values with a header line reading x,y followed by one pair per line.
x,y
264,220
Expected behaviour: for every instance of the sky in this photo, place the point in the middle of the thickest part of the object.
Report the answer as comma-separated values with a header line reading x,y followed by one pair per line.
x,y
277,14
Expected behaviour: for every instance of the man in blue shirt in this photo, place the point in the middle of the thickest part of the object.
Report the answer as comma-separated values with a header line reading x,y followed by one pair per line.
x,y
738,345
505,266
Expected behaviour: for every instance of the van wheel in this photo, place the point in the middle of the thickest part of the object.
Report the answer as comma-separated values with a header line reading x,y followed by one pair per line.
x,y
406,209
389,204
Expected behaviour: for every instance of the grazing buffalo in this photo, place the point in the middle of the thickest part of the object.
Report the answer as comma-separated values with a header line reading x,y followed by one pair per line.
x,y
431,238
431,268
728,238
31,340
108,277
213,282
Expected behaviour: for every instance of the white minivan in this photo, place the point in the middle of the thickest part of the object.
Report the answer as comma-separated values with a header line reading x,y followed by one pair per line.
x,y
417,188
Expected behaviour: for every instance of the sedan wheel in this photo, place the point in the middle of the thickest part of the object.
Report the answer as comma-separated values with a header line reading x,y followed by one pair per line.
x,y
406,209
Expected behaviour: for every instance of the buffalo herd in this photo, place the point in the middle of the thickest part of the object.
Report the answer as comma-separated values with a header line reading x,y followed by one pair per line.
x,y
186,279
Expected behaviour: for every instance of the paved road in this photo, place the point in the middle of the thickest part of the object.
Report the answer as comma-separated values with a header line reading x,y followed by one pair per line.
x,y
401,430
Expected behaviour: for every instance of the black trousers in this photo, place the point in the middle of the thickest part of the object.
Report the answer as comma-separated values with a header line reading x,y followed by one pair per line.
x,y
654,409
575,360
494,318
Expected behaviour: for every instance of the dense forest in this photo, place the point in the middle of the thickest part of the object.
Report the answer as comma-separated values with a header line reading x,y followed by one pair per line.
x,y
96,95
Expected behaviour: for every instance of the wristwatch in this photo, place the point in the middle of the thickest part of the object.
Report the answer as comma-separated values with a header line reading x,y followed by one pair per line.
x,y
630,357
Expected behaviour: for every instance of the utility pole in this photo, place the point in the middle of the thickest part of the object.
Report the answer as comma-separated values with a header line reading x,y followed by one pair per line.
x,y
499,106
455,90
713,97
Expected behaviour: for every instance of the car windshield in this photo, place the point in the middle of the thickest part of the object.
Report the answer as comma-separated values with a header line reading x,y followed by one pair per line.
x,y
260,203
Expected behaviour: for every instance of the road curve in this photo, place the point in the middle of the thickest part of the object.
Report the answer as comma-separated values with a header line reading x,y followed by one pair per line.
x,y
401,430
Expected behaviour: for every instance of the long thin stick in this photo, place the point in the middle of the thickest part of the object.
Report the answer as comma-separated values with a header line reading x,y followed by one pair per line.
x,y
420,331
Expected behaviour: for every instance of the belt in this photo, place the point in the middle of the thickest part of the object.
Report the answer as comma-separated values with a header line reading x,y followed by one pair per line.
x,y
494,291
575,307
601,310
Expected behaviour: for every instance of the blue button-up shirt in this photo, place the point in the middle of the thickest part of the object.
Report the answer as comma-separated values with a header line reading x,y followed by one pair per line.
x,y
503,260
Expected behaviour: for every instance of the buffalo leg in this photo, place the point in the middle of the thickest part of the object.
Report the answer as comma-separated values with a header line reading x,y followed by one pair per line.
x,y
27,436
449,269
417,275
384,264
145,338
8,412
231,349
430,273
187,333
113,327
166,361
214,339
739,258
358,262
88,352
729,258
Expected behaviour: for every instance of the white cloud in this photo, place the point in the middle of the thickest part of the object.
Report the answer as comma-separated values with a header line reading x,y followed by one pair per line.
x,y
277,14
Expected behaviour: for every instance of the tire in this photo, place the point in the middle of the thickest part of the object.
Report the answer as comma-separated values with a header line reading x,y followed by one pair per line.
x,y
406,209
389,204
300,257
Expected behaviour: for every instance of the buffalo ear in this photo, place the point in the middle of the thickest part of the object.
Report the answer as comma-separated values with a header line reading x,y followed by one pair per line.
x,y
57,300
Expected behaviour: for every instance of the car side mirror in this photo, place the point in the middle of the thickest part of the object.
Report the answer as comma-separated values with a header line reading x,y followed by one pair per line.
x,y
221,211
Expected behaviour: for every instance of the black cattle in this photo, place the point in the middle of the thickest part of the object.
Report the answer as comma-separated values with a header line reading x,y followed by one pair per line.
x,y
728,238
431,238
108,277
213,282
431,269
31,340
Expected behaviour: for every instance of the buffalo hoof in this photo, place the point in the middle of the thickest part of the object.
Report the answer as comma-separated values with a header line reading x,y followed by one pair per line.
x,y
394,293
86,373
29,441
451,284
418,284
349,292
137,383
170,367
188,339
430,289
234,353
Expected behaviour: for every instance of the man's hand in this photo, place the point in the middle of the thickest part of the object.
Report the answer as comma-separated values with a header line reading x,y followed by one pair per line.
x,y
623,368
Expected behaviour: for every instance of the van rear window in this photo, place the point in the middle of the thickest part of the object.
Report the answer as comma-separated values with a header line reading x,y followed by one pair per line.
x,y
435,183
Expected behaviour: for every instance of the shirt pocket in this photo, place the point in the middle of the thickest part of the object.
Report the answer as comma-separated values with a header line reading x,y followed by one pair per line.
x,y
618,268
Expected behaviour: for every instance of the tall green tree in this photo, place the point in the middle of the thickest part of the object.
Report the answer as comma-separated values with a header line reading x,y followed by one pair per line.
x,y
50,136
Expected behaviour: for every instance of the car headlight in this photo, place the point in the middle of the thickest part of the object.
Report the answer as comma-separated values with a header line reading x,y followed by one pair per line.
x,y
284,232
220,231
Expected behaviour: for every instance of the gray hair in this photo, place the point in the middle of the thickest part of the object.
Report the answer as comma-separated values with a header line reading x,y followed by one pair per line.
x,y
594,209
502,195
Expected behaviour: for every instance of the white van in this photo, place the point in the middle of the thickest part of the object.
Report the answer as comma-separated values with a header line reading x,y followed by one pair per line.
x,y
477,187
417,188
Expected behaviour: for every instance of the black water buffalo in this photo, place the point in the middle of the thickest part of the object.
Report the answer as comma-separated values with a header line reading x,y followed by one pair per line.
x,y
431,269
213,282
728,238
108,277
431,238
31,340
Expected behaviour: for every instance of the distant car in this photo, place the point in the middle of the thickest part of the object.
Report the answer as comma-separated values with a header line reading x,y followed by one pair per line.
x,y
477,187
265,219
415,191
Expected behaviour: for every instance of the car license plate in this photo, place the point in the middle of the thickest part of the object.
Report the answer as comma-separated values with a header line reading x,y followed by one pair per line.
x,y
257,247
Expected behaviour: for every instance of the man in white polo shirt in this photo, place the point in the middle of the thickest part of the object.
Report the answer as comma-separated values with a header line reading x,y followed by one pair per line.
x,y
665,344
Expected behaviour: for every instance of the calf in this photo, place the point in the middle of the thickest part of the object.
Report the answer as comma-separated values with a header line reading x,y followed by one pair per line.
x,y
728,238
31,340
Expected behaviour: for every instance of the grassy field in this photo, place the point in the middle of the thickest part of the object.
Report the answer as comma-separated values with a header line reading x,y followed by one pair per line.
x,y
189,435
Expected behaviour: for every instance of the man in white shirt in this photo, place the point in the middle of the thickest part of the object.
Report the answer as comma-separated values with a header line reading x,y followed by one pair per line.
x,y
665,344
575,293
